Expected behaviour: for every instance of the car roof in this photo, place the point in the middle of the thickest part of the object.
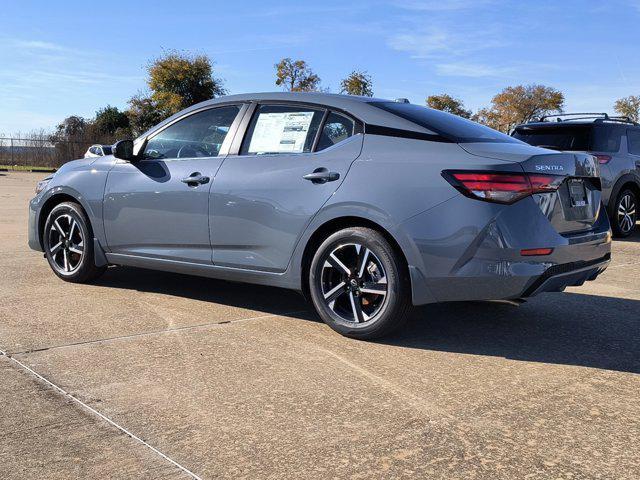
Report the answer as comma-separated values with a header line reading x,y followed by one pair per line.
x,y
557,124
359,107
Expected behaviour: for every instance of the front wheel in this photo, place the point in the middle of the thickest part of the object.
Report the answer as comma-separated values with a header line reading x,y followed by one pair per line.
x,y
624,216
358,284
68,244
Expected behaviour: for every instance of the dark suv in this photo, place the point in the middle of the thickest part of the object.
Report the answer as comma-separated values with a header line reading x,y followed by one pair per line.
x,y
615,141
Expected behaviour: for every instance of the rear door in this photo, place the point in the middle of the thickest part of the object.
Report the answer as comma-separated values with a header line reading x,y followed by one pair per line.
x,y
292,158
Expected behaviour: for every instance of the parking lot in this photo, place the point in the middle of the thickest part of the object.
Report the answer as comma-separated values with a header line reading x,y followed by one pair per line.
x,y
155,375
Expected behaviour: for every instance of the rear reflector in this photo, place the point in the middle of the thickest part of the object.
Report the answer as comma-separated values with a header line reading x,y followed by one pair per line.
x,y
501,187
602,159
530,252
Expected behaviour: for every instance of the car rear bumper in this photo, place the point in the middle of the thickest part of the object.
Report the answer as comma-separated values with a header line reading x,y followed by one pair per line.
x,y
477,255
558,277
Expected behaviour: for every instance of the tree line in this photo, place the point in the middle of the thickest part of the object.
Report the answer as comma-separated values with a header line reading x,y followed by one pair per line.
x,y
178,80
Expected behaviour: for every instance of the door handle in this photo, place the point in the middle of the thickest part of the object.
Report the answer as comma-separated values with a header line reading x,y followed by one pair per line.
x,y
321,175
195,179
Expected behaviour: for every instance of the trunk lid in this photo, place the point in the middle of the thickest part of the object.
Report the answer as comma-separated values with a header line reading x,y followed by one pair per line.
x,y
575,206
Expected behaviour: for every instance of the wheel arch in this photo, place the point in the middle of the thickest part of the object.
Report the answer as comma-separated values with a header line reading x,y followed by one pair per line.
x,y
625,181
321,232
50,204
628,180
66,196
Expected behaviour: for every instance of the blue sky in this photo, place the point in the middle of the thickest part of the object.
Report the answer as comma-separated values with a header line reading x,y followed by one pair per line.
x,y
70,57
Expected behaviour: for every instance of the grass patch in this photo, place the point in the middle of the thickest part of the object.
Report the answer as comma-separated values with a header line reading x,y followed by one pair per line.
x,y
25,168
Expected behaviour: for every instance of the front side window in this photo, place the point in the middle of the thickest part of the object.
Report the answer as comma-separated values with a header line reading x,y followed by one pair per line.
x,y
633,138
282,129
198,135
336,129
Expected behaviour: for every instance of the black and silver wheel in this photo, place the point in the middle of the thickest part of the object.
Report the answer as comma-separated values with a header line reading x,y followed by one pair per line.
x,y
68,244
624,216
357,284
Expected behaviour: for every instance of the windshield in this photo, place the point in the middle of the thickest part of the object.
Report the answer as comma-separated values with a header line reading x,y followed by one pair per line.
x,y
456,129
576,138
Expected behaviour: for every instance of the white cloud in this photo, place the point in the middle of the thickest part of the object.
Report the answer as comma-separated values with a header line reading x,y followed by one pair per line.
x,y
437,42
440,5
422,45
37,45
473,70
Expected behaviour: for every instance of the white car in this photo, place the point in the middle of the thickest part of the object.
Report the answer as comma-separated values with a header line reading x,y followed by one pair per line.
x,y
98,151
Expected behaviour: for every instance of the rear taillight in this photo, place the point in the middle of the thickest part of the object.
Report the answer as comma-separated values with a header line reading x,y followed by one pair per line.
x,y
501,187
602,159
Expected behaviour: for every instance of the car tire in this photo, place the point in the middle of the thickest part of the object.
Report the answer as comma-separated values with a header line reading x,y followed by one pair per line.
x,y
358,284
624,213
68,244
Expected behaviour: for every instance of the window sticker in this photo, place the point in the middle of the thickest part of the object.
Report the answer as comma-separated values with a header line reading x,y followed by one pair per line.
x,y
280,132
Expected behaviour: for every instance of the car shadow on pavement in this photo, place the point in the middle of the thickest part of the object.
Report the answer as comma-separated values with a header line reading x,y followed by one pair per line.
x,y
265,299
558,328
635,237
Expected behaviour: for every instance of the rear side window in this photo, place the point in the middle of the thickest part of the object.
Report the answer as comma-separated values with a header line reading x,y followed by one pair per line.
x,y
558,138
606,138
633,139
337,128
452,127
198,135
282,129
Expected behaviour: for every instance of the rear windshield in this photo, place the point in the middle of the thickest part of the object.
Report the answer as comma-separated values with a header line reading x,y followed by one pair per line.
x,y
560,138
452,127
571,137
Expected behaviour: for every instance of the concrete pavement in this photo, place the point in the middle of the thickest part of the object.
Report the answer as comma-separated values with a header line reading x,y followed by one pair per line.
x,y
240,381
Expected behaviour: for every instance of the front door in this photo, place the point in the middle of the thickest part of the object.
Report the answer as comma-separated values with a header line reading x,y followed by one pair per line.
x,y
291,160
158,206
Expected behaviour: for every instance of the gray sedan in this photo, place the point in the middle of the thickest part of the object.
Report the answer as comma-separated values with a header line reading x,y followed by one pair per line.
x,y
367,206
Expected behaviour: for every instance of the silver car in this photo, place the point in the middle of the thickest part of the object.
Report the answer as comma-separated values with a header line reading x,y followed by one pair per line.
x,y
98,151
614,141
367,206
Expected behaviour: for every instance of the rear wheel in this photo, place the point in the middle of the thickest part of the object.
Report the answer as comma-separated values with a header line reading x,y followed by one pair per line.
x,y
624,216
358,285
68,244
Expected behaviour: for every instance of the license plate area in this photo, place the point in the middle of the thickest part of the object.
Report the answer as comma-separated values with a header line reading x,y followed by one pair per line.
x,y
577,192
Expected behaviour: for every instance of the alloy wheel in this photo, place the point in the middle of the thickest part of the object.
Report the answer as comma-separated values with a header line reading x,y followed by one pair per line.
x,y
66,244
626,213
354,283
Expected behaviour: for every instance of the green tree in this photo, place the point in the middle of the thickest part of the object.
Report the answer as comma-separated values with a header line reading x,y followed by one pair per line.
x,y
71,128
520,104
629,107
449,104
357,83
143,114
111,122
296,76
179,80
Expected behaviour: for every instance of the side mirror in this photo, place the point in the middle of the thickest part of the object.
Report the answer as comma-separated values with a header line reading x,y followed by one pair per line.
x,y
124,150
